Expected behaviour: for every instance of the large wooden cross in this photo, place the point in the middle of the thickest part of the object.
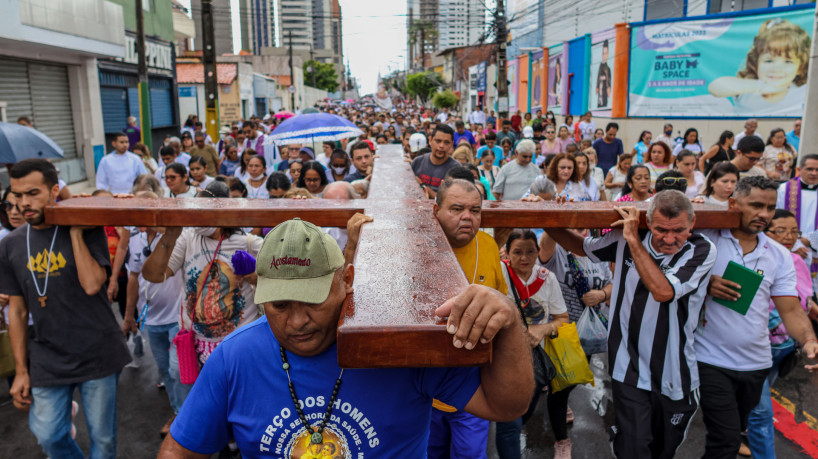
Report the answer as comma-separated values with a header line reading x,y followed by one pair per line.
x,y
404,266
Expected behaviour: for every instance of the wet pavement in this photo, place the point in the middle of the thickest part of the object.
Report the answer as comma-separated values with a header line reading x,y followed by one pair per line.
x,y
143,409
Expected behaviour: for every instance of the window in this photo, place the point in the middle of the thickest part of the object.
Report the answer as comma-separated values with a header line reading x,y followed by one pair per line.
x,y
726,6
664,9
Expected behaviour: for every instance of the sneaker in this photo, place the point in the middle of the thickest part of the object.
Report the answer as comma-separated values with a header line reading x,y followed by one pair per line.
x,y
562,449
74,409
569,416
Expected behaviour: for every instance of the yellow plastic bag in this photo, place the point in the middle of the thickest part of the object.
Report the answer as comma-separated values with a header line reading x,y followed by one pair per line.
x,y
569,359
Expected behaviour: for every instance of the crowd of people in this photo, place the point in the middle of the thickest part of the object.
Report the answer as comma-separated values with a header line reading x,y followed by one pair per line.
x,y
676,341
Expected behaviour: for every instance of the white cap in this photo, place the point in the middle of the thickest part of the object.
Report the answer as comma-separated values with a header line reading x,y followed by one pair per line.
x,y
528,132
416,142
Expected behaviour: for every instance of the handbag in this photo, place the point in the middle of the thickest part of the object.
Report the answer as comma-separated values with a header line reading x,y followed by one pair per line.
x,y
185,340
544,370
568,358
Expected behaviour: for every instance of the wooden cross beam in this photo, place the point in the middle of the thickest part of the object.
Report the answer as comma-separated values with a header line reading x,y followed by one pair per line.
x,y
404,266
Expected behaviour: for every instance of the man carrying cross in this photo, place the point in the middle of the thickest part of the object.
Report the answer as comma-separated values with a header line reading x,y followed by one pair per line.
x,y
58,274
276,386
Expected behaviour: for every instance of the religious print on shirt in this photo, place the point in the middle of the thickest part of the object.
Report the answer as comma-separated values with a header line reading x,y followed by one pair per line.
x,y
378,413
598,276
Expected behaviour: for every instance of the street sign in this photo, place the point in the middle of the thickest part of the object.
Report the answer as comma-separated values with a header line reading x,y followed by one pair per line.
x,y
291,89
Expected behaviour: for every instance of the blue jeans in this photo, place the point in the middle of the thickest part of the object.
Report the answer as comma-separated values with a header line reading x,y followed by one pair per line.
x,y
160,338
50,418
760,428
180,390
508,439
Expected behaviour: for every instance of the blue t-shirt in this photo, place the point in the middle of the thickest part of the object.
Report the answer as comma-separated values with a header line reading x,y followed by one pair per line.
x,y
465,135
242,393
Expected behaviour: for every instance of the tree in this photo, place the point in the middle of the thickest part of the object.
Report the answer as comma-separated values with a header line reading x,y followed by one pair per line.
x,y
325,76
423,32
423,85
445,99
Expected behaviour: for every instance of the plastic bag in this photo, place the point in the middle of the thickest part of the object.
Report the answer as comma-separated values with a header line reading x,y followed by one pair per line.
x,y
568,358
593,335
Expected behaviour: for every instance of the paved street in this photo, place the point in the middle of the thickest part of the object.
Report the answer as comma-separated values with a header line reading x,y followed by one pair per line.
x,y
143,409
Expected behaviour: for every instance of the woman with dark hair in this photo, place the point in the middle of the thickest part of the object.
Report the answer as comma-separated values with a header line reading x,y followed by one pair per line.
x,y
256,177
659,160
686,164
187,142
339,164
178,182
313,178
198,173
241,171
139,149
278,184
637,185
689,142
563,171
617,176
294,170
551,119
720,183
10,215
779,156
584,172
721,151
237,188
537,294
640,150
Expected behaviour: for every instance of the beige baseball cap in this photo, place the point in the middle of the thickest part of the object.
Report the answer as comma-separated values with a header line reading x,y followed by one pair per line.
x,y
297,262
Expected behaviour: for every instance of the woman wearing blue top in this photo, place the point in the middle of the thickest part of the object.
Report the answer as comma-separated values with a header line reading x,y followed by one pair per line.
x,y
641,147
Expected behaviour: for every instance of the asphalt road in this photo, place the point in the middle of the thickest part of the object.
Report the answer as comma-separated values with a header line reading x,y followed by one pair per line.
x,y
143,409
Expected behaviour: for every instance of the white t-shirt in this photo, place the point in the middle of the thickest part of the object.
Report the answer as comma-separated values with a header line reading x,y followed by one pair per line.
x,y
163,299
160,174
694,188
225,303
190,193
587,129
117,172
546,301
742,135
257,193
725,338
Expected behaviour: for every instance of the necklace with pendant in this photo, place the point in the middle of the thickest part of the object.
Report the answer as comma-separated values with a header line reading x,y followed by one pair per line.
x,y
40,295
316,436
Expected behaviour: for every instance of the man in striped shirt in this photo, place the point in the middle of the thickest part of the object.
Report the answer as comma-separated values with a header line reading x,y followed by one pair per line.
x,y
658,290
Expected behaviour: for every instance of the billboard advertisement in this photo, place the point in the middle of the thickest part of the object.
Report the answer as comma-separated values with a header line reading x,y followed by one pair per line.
x,y
749,66
555,64
601,72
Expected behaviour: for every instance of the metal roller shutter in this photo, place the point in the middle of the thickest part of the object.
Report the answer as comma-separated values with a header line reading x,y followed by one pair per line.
x,y
114,109
51,103
14,89
161,104
133,103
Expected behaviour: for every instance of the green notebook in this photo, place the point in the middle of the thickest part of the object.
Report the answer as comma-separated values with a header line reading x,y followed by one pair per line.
x,y
749,281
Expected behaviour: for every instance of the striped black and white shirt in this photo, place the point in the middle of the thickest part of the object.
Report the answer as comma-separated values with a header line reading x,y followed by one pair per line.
x,y
650,344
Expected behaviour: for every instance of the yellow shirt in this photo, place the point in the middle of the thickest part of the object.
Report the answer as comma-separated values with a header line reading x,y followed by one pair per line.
x,y
483,251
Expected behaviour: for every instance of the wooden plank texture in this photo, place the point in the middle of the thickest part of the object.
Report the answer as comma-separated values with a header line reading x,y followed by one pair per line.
x,y
221,212
404,270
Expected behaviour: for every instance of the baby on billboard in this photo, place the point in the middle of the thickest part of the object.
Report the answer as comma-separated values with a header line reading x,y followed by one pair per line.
x,y
774,76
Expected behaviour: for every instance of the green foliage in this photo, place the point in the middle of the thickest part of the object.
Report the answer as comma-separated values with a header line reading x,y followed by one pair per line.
x,y
423,85
445,99
325,76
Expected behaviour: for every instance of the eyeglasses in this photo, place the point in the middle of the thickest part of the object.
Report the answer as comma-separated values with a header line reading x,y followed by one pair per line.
x,y
670,181
7,206
783,231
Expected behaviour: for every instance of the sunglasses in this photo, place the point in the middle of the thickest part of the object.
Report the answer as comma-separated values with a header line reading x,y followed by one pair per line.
x,y
670,181
7,206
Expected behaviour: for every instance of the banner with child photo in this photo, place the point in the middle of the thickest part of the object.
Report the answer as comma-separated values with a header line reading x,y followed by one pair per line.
x,y
745,66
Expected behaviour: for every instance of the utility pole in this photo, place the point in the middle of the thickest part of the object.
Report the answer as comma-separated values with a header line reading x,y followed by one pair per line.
x,y
502,70
210,75
312,68
143,87
809,132
292,75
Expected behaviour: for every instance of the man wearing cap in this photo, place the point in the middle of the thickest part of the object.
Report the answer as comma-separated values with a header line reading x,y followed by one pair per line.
x,y
267,380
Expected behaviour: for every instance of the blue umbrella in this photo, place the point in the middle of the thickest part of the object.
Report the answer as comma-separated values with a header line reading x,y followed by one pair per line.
x,y
18,142
313,127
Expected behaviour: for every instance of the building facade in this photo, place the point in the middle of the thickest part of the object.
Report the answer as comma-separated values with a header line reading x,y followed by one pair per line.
x,y
48,56
222,25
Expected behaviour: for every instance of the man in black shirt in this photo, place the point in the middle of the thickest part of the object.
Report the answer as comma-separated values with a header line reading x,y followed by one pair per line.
x,y
59,274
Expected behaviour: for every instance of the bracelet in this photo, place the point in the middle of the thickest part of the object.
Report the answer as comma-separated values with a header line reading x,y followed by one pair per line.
x,y
810,339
